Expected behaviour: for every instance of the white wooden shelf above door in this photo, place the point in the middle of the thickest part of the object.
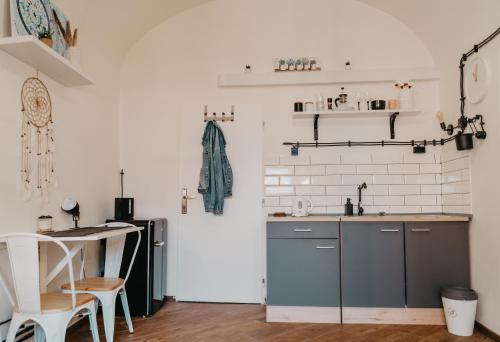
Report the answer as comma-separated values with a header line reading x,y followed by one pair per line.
x,y
33,52
355,114
328,77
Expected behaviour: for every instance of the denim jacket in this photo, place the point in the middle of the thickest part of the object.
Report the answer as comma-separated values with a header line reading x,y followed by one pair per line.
x,y
216,175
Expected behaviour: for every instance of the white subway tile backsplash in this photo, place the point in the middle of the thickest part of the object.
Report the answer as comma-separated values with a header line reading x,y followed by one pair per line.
x,y
456,209
326,200
356,158
341,169
272,201
295,180
398,181
342,190
310,190
456,176
295,160
420,179
379,190
322,158
279,190
404,169
456,199
271,180
456,188
326,180
419,158
356,180
395,190
278,170
312,170
421,200
387,158
432,209
430,168
390,179
407,209
372,169
319,211
335,210
457,164
431,189
388,200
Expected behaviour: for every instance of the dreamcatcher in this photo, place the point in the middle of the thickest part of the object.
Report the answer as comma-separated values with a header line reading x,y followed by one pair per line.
x,y
37,156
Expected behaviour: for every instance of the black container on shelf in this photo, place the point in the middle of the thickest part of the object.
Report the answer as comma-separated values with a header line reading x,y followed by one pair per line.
x,y
349,209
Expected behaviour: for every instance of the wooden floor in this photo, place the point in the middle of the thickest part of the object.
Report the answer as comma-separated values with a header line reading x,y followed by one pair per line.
x,y
240,322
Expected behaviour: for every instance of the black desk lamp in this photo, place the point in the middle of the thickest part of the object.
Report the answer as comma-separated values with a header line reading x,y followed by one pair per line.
x,y
72,207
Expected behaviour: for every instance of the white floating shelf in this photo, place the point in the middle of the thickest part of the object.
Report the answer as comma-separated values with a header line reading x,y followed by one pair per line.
x,y
355,114
328,77
33,52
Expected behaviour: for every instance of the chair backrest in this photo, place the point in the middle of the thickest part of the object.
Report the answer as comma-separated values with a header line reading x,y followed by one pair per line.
x,y
114,251
25,268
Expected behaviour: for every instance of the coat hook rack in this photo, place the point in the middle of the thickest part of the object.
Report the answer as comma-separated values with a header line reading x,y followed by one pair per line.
x,y
214,117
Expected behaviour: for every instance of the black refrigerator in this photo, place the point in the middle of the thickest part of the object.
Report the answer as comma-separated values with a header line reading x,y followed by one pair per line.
x,y
147,283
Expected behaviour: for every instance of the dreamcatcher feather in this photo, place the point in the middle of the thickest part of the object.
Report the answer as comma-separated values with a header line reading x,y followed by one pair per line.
x,y
37,138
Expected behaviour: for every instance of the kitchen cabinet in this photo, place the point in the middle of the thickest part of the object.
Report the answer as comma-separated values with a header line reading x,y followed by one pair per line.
x,y
437,255
373,270
302,269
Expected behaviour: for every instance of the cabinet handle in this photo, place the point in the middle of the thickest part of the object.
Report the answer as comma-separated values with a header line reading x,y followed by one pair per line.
x,y
422,230
389,230
325,247
303,230
159,243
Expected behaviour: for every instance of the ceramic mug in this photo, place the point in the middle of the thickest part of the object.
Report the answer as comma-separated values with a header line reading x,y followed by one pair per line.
x,y
393,104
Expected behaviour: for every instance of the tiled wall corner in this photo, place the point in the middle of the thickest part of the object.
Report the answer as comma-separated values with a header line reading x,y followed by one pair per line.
x,y
456,181
398,182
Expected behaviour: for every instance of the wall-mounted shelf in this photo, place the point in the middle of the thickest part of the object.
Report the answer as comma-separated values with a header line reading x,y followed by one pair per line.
x,y
33,52
328,77
354,114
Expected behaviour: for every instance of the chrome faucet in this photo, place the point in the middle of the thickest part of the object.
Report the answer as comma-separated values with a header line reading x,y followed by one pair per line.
x,y
360,208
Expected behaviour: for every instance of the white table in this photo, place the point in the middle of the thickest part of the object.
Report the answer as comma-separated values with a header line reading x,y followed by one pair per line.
x,y
114,253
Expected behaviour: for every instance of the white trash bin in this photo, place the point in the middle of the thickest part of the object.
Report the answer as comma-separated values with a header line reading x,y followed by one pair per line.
x,y
460,310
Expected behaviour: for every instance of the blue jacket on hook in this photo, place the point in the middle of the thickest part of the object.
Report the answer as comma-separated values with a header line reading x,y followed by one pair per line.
x,y
216,175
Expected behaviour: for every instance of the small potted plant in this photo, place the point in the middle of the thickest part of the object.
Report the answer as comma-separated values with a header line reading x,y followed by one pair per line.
x,y
46,37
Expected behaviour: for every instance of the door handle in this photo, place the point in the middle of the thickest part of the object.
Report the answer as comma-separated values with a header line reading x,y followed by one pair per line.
x,y
325,247
185,198
303,230
389,230
159,243
421,230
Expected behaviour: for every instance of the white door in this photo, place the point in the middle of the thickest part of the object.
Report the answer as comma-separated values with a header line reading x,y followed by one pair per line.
x,y
220,257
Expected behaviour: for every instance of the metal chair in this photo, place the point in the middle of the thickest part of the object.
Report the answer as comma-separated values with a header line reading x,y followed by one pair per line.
x,y
108,287
50,311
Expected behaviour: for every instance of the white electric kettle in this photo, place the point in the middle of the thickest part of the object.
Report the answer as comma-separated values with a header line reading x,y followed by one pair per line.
x,y
301,207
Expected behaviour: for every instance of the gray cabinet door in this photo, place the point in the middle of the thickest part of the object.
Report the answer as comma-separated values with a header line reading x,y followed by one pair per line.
x,y
437,255
373,272
303,272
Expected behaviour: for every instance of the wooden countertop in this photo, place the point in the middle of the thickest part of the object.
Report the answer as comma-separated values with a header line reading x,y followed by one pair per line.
x,y
373,218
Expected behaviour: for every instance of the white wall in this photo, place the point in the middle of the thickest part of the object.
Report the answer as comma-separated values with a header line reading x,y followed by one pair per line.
x,y
86,136
179,61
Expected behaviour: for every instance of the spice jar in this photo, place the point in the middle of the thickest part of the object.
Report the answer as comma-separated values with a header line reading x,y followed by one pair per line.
x,y
45,223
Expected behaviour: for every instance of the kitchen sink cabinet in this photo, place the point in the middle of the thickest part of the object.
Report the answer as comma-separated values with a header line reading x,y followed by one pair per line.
x,y
437,255
373,264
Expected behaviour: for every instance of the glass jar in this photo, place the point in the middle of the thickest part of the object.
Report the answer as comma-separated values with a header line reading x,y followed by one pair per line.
x,y
45,224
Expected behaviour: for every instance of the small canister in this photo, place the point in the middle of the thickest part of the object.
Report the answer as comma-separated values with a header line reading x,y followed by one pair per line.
x,y
329,102
45,224
298,107
309,107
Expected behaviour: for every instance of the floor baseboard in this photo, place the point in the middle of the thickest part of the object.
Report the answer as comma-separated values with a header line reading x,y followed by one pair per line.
x,y
486,331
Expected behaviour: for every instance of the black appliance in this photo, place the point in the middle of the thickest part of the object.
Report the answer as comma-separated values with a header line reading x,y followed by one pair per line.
x,y
146,285
124,208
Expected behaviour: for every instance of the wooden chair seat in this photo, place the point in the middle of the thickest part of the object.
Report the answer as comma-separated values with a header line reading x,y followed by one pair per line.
x,y
96,284
61,302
